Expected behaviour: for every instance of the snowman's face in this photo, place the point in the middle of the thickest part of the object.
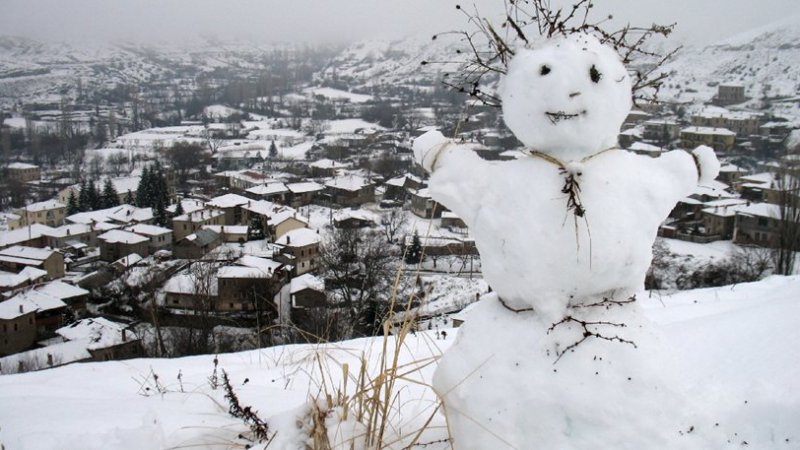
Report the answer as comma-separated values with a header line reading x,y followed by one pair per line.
x,y
567,98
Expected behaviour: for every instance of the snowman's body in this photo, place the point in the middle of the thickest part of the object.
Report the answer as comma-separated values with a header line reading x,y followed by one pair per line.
x,y
512,379
534,252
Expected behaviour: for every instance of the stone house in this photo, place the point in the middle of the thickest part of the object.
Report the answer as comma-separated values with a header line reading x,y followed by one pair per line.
x,y
301,249
115,244
18,257
302,194
720,139
423,205
192,222
243,288
196,245
17,326
160,238
759,224
51,213
231,206
23,172
350,190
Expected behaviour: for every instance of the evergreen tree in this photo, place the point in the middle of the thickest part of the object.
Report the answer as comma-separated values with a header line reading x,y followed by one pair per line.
x,y
83,197
178,210
72,203
160,214
110,197
414,250
273,150
144,197
95,201
129,198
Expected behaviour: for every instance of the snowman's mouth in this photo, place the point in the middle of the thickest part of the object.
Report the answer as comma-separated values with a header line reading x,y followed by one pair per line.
x,y
556,117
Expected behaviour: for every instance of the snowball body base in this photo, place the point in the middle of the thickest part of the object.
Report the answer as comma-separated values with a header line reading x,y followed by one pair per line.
x,y
503,389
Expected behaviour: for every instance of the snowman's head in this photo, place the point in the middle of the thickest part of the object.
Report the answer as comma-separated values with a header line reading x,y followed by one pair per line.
x,y
566,97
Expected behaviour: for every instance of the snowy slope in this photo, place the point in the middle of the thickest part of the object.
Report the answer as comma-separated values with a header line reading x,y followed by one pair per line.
x,y
766,61
375,62
738,344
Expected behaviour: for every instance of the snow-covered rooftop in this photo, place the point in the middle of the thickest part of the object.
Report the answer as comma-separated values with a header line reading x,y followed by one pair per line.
x,y
148,230
348,183
307,281
268,189
44,206
31,253
228,201
97,333
61,290
122,237
709,130
299,238
308,186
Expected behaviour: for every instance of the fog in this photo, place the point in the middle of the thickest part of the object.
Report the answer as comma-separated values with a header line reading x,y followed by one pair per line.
x,y
341,21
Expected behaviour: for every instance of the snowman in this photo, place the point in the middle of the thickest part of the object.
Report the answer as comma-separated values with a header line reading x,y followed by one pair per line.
x,y
565,236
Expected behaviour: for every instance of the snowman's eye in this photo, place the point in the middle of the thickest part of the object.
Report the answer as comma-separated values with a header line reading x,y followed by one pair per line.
x,y
545,69
595,74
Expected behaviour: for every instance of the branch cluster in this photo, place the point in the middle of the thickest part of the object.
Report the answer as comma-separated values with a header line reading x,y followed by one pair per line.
x,y
590,330
490,47
257,426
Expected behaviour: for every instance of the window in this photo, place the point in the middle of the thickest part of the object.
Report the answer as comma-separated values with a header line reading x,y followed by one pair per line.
x,y
15,327
30,320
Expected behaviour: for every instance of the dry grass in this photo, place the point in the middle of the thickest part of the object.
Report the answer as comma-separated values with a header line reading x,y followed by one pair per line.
x,y
363,409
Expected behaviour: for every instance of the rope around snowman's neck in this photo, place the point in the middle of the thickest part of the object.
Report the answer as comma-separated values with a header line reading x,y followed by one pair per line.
x,y
572,188
558,162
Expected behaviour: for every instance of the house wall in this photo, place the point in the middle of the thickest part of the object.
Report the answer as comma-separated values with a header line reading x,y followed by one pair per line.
x,y
54,265
17,334
237,294
128,350
113,251
183,228
24,175
285,227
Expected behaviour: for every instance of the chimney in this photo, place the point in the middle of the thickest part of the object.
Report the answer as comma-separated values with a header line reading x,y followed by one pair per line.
x,y
49,359
21,309
288,241
124,336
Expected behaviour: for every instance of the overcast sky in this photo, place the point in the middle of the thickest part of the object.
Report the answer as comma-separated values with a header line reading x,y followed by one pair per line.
x,y
700,21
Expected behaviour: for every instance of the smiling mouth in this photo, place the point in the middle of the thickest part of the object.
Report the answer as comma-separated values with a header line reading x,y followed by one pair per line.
x,y
556,117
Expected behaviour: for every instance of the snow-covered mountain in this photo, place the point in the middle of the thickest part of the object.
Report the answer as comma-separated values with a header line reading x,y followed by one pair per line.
x,y
397,62
32,71
765,60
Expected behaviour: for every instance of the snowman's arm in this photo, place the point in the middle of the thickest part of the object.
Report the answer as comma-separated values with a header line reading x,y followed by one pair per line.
x,y
458,175
688,170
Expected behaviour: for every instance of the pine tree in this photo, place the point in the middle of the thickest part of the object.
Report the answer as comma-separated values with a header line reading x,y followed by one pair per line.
x,y
93,198
414,251
72,203
129,198
83,197
178,210
273,150
110,197
144,197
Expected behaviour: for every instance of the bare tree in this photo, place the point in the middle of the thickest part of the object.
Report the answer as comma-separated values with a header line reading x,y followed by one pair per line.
x,y
788,187
359,268
393,222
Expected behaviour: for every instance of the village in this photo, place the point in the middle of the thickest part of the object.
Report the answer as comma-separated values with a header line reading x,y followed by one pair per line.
x,y
235,229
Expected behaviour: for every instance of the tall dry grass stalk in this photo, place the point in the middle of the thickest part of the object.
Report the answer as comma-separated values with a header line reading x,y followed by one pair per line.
x,y
362,409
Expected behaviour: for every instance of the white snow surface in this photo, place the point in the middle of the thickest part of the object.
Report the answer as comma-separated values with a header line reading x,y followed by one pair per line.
x,y
735,346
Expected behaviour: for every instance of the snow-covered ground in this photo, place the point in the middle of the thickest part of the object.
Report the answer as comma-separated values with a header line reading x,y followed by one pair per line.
x,y
737,343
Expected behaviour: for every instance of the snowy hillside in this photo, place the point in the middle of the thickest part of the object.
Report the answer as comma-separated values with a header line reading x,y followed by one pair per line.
x,y
33,71
766,61
398,62
738,345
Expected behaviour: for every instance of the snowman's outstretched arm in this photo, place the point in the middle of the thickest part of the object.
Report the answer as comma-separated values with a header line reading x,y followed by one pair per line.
x,y
458,175
707,164
688,170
